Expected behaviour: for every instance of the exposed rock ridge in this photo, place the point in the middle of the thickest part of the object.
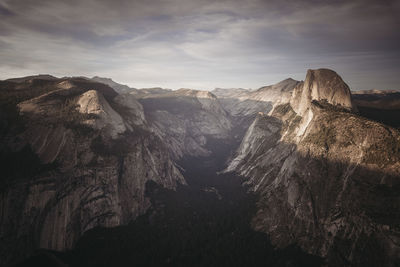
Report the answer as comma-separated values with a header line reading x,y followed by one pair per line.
x,y
319,170
246,103
99,152
120,88
186,119
93,103
321,84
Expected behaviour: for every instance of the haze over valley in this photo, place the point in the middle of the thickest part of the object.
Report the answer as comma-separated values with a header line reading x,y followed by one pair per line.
x,y
199,133
301,164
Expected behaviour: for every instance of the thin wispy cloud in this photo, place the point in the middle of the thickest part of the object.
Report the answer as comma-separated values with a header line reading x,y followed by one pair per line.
x,y
202,44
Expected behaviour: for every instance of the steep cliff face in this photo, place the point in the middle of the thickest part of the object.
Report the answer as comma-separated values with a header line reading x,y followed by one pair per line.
x,y
186,119
245,103
327,179
75,154
89,154
321,84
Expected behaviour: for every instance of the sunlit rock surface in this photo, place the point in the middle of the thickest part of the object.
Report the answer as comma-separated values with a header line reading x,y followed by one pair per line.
x,y
185,119
91,155
327,178
76,154
244,103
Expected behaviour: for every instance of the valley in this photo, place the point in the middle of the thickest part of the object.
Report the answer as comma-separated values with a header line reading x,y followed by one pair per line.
x,y
299,173
206,222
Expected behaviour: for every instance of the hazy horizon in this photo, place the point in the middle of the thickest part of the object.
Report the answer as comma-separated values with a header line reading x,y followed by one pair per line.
x,y
202,44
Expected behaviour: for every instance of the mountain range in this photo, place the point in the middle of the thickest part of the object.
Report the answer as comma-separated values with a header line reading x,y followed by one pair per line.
x,y
81,154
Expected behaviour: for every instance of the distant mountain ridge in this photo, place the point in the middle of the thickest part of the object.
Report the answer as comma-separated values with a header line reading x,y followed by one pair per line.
x,y
325,170
248,102
374,91
38,77
120,88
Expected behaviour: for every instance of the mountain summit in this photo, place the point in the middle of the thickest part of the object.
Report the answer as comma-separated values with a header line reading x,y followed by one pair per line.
x,y
321,84
321,171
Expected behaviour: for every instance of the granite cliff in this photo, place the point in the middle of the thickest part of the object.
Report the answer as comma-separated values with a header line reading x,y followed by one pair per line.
x,y
87,154
186,119
327,178
245,103
80,153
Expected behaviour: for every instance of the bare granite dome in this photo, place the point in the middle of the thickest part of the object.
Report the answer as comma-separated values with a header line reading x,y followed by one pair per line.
x,y
321,84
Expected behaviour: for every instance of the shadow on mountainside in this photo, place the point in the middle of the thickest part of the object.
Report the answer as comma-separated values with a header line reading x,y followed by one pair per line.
x,y
346,211
390,117
355,217
206,223
384,108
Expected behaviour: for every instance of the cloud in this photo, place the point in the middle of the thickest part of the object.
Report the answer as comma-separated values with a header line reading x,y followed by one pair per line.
x,y
202,43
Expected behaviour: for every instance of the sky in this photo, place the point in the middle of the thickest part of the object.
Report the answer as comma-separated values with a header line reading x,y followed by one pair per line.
x,y
202,44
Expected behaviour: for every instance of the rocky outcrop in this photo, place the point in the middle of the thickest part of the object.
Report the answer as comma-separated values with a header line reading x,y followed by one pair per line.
x,y
94,154
229,92
327,179
321,85
93,103
153,90
76,155
246,103
120,88
186,119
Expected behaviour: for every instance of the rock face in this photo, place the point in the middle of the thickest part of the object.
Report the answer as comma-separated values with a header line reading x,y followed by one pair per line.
x,y
321,84
186,119
76,154
88,154
120,88
93,103
247,103
327,179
